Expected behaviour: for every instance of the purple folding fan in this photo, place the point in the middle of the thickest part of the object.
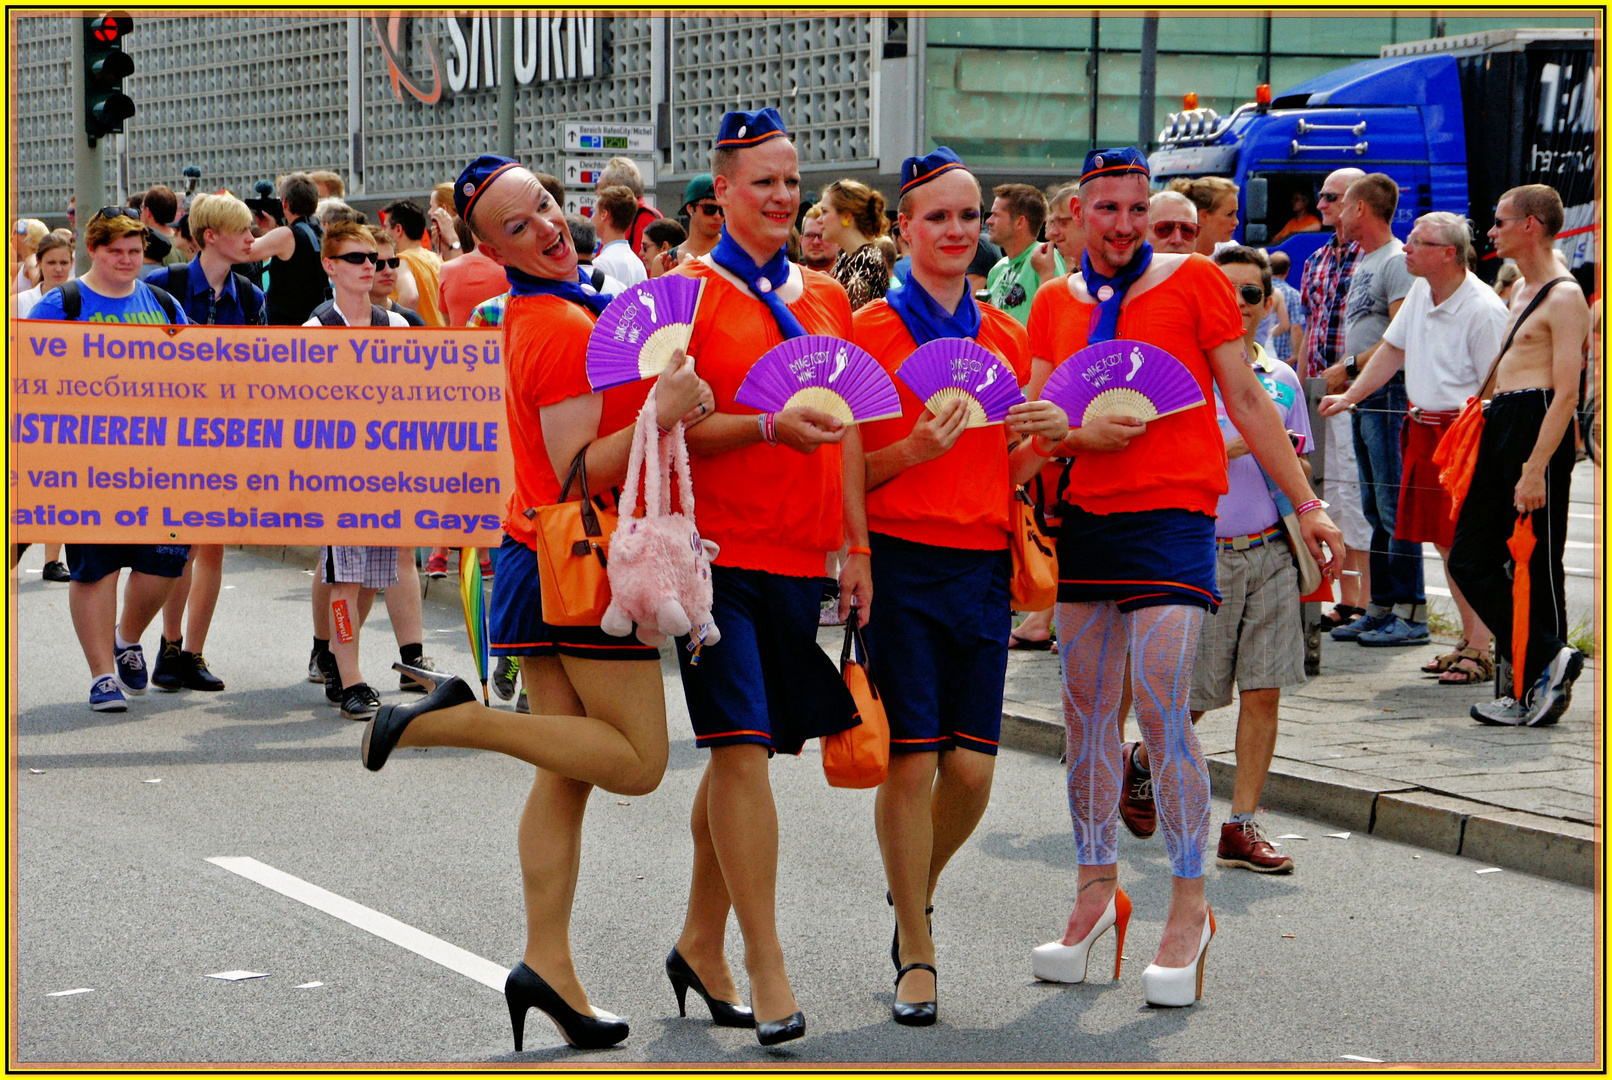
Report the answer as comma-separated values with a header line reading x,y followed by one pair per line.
x,y
1121,377
947,369
640,330
822,373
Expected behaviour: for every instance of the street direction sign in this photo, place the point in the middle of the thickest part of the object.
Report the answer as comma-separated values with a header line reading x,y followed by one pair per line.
x,y
583,172
580,202
618,138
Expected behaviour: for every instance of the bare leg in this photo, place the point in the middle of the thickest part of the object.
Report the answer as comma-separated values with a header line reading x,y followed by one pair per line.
x,y
143,597
321,607
207,567
348,596
744,831
53,553
1256,745
621,747
403,604
550,843
705,926
94,607
1477,635
173,612
903,818
1037,626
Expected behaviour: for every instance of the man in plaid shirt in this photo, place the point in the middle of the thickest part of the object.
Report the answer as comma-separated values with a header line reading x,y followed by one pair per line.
x,y
1325,292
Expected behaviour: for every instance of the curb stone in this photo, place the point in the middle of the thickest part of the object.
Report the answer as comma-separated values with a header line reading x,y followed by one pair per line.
x,y
1565,851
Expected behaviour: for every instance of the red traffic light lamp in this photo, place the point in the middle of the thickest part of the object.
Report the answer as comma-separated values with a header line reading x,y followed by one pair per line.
x,y
106,65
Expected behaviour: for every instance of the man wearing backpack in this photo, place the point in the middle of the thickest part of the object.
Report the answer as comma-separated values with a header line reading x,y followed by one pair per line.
x,y
297,282
111,291
214,295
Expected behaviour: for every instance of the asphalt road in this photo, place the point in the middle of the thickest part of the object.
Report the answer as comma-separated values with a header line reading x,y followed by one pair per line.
x,y
1371,949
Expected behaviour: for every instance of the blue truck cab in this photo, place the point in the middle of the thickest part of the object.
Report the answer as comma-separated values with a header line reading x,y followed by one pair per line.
x,y
1453,121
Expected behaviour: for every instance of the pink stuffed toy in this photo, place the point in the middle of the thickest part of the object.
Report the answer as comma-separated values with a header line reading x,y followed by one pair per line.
x,y
660,568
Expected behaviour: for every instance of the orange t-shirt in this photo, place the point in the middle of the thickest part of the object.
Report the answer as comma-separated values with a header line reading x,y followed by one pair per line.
x,y
1179,462
768,507
960,499
545,355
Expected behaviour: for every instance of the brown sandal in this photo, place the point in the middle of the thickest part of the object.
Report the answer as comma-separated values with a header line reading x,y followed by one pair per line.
x,y
1442,663
1472,667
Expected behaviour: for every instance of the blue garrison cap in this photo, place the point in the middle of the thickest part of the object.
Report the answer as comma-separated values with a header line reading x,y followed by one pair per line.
x,y
1114,162
917,171
741,129
475,179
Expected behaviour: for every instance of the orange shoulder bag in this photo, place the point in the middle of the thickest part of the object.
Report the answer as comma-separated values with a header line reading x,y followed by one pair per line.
x,y
1457,452
572,538
858,757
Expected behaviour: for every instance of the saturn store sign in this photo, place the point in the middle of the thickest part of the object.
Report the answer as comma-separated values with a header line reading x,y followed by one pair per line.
x,y
548,48
464,58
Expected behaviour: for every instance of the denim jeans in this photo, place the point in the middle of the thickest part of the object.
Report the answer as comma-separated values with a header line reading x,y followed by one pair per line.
x,y
1396,565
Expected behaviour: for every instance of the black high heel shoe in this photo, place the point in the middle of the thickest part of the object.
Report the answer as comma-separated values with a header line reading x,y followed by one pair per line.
x,y
723,1013
913,1013
382,733
525,989
895,935
773,1032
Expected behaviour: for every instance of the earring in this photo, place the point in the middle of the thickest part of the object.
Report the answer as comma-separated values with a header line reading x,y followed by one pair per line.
x,y
845,222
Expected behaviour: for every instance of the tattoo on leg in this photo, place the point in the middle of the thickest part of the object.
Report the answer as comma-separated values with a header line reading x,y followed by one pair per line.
x,y
1095,881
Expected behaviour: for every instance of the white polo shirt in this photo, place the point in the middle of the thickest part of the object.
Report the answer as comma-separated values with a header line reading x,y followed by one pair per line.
x,y
1448,347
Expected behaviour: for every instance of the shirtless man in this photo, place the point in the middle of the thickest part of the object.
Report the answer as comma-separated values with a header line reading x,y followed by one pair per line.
x,y
1525,463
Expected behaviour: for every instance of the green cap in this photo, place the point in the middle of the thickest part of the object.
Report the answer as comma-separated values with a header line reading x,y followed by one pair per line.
x,y
701,187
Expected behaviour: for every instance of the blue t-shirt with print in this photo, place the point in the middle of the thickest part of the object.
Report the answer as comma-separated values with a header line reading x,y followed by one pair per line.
x,y
140,306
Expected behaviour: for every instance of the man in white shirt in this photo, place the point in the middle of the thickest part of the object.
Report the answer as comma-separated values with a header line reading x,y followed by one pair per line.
x,y
1445,336
613,215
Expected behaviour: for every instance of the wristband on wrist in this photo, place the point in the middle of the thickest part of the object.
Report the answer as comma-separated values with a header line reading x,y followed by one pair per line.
x,y
1035,445
856,549
1306,507
766,424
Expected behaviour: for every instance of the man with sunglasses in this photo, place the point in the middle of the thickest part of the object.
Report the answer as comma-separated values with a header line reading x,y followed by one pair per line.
x,y
704,218
387,262
1172,219
1324,288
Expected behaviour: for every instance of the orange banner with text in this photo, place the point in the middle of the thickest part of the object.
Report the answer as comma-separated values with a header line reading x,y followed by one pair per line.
x,y
257,435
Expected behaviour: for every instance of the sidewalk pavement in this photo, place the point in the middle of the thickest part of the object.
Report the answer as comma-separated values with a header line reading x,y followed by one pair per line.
x,y
1373,745
1370,745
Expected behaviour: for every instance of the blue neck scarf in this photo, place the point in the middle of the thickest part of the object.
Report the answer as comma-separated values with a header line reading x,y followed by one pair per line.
x,y
580,291
764,281
926,320
1105,319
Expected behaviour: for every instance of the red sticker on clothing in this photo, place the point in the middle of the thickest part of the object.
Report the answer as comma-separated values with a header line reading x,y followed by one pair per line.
x,y
344,625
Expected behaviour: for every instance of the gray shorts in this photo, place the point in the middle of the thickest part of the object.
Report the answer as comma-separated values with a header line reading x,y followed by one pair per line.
x,y
368,567
1255,639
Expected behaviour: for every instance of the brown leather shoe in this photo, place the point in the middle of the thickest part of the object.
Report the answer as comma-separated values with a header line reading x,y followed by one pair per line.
x,y
1243,844
1136,808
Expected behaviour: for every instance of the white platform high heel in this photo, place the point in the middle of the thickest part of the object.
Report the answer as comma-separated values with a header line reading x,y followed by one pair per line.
x,y
1060,963
1183,985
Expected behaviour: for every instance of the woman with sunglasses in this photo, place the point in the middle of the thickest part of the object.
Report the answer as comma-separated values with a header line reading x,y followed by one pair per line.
x,y
1172,219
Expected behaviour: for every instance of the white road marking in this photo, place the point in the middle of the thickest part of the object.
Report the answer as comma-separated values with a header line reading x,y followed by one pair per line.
x,y
1578,543
369,920
1580,514
70,993
1434,590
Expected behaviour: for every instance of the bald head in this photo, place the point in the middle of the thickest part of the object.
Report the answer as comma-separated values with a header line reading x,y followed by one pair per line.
x,y
1330,201
1173,200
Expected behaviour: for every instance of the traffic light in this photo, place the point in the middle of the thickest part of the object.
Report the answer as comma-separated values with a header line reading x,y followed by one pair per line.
x,y
106,65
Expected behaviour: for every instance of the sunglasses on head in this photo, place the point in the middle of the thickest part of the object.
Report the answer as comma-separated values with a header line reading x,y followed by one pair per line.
x,y
116,211
709,209
1163,229
1252,295
357,258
